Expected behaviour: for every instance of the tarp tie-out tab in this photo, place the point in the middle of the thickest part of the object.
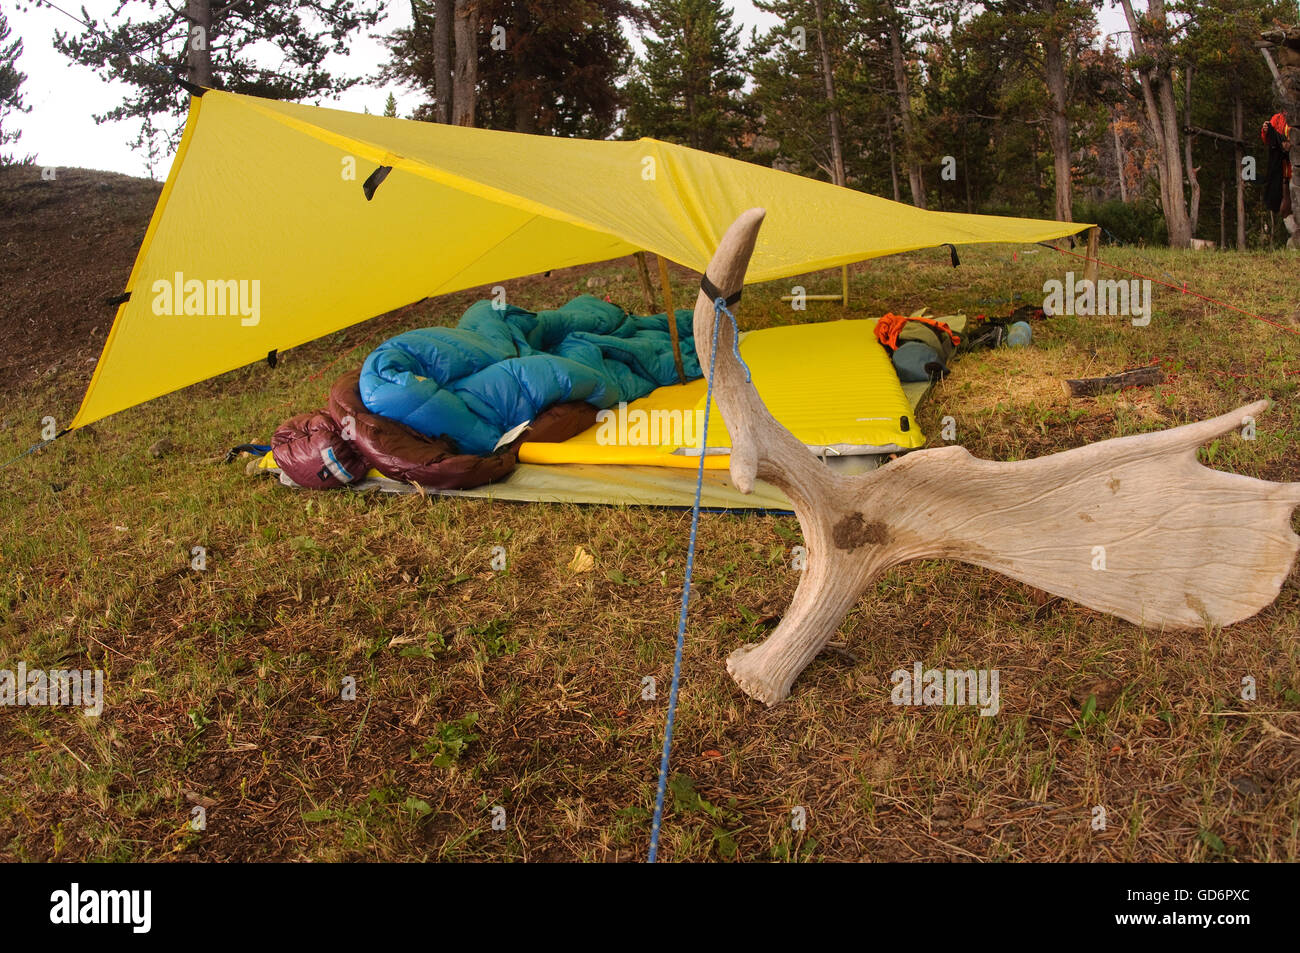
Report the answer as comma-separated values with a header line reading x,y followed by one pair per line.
x,y
272,357
116,300
194,89
373,180
952,249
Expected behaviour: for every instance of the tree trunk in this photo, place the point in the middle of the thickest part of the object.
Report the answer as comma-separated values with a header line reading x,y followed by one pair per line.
x,y
1180,231
1059,130
198,47
905,110
1223,216
443,14
1288,88
1194,214
828,76
1238,133
1162,115
525,113
464,91
893,157
1119,164
965,168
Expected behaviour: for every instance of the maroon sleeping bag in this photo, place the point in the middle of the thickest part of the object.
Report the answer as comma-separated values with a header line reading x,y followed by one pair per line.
x,y
400,453
311,450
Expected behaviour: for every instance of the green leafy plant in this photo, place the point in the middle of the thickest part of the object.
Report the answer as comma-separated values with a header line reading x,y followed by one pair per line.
x,y
1087,717
434,646
492,640
448,742
724,819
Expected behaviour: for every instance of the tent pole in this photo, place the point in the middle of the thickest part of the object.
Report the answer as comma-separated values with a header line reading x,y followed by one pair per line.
x,y
1094,248
647,289
672,317
842,297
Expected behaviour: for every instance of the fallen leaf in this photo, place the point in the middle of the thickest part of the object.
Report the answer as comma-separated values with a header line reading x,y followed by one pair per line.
x,y
582,560
195,798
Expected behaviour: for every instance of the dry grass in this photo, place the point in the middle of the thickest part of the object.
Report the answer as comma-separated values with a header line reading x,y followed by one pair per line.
x,y
523,689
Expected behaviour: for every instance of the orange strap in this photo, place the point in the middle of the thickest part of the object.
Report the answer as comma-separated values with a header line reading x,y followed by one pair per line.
x,y
891,325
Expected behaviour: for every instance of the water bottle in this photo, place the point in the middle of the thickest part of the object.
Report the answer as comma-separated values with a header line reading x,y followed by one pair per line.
x,y
1019,334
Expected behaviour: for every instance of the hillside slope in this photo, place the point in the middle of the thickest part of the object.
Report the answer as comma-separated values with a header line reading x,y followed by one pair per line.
x,y
66,245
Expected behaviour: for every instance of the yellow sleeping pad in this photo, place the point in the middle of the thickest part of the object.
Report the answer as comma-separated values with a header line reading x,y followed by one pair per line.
x,y
831,384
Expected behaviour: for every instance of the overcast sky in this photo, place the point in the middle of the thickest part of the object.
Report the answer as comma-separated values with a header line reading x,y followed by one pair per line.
x,y
60,129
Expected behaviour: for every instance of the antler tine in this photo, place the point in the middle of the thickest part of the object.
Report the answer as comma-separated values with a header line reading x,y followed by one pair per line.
x,y
760,446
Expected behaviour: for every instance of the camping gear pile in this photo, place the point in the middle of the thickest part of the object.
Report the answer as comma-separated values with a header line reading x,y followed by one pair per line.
x,y
1013,330
447,408
493,402
920,347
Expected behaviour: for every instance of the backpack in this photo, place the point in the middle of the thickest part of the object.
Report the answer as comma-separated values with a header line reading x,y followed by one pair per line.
x,y
919,347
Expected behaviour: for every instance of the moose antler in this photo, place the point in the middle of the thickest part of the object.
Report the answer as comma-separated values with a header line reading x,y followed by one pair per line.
x,y
1132,526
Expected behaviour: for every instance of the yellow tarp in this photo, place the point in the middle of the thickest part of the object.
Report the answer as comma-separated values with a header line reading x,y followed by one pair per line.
x,y
830,383
263,239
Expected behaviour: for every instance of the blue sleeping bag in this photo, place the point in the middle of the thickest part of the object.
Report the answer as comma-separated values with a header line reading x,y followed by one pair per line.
x,y
502,366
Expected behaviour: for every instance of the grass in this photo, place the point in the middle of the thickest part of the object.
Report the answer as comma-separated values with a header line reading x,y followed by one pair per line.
x,y
349,678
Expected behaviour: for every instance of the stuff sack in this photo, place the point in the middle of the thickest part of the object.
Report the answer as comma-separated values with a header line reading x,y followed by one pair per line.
x,y
311,451
919,347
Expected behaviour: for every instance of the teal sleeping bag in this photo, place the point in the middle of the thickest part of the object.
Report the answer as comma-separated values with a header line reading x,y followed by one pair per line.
x,y
501,366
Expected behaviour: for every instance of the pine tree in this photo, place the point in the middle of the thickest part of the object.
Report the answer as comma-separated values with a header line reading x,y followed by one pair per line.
x,y
212,43
689,86
549,68
11,97
795,104
390,106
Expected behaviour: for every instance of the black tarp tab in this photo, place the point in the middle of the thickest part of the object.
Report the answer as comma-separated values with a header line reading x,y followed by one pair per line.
x,y
373,181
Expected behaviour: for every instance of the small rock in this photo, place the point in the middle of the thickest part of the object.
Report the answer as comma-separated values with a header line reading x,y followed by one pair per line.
x,y
597,282
1247,786
163,446
1107,691
945,815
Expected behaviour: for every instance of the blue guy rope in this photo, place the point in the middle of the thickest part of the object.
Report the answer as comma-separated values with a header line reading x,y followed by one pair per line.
x,y
32,449
719,309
